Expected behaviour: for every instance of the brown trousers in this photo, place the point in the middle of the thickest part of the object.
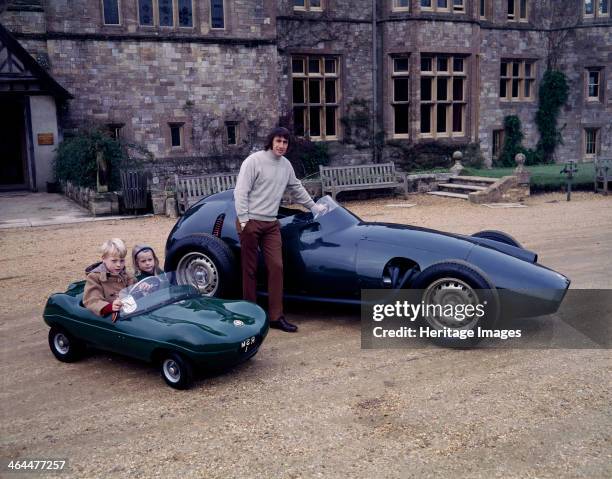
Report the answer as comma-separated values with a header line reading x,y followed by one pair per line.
x,y
265,235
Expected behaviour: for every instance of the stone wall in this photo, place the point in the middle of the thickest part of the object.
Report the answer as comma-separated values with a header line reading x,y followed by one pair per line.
x,y
147,77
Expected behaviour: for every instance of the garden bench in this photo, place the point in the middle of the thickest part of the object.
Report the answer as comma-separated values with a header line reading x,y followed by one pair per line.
x,y
335,179
603,174
191,189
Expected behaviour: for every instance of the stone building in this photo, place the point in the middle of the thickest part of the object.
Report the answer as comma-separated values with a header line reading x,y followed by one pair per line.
x,y
198,82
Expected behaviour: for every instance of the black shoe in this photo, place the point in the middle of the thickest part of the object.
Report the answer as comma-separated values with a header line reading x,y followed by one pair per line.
x,y
283,325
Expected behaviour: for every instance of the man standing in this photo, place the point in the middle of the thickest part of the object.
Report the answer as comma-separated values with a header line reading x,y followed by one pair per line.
x,y
264,176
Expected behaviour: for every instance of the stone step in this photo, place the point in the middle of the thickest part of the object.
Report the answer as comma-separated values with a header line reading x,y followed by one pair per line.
x,y
460,186
473,180
448,194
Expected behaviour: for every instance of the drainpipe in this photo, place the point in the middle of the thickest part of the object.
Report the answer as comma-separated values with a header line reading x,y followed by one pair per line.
x,y
374,83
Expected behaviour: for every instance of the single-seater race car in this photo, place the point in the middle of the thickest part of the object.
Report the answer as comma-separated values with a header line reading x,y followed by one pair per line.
x,y
337,255
173,326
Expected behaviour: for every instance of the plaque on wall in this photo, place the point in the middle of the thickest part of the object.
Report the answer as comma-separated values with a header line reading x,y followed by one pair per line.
x,y
45,139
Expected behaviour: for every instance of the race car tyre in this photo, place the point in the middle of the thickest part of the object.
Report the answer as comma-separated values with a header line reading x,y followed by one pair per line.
x,y
458,284
498,236
176,371
64,346
205,262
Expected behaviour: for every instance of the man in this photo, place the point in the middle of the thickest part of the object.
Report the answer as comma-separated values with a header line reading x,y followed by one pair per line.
x,y
264,176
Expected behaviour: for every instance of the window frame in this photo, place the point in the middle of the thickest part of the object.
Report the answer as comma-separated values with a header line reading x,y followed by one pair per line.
x,y
323,105
509,78
398,8
516,14
175,16
236,126
596,7
488,9
596,142
600,77
392,102
449,103
210,16
181,126
309,8
119,16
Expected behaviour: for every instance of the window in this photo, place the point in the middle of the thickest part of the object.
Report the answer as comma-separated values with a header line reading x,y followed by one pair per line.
x,y
498,143
485,8
516,80
114,130
443,5
110,9
176,135
400,95
401,5
443,95
517,10
459,6
593,84
165,13
217,15
316,96
596,8
231,131
309,5
591,139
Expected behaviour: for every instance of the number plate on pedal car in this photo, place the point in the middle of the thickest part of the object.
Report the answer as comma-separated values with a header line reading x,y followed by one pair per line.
x,y
248,344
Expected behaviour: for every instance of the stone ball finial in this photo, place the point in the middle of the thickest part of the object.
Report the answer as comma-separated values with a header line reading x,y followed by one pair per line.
x,y
520,159
457,167
520,171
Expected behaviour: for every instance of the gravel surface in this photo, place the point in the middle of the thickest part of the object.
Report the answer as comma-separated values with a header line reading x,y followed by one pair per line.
x,y
314,404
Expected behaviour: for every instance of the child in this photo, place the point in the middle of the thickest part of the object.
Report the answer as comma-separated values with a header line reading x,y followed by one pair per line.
x,y
108,278
145,262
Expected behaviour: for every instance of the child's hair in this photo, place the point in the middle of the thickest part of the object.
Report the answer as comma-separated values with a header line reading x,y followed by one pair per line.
x,y
139,248
114,247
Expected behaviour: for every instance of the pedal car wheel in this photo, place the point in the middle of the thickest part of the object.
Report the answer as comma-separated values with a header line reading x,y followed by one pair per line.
x,y
498,236
176,371
64,346
458,283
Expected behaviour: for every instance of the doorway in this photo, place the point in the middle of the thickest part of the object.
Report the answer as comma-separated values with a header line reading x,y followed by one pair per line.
x,y
13,169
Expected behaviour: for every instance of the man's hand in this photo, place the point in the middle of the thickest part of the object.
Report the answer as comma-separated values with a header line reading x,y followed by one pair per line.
x,y
318,210
117,305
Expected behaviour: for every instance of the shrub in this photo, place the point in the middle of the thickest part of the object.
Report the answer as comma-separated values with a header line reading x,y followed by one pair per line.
x,y
306,156
76,158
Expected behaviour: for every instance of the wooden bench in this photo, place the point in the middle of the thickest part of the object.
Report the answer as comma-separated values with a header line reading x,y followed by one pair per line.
x,y
191,189
603,174
335,179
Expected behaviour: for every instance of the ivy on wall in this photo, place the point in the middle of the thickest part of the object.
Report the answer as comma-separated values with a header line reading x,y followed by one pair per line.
x,y
553,94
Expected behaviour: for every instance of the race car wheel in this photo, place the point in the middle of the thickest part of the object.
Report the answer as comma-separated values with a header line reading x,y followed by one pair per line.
x,y
453,285
176,371
205,262
64,346
498,236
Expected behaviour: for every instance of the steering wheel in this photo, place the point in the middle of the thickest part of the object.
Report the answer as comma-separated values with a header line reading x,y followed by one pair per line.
x,y
153,283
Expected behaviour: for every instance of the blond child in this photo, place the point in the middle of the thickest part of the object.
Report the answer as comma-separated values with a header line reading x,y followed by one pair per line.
x,y
145,261
108,278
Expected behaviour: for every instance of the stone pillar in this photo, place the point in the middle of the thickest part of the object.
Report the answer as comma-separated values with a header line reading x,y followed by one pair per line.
x,y
457,168
523,175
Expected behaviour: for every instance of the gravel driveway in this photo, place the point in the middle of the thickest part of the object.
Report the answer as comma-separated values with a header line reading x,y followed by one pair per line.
x,y
314,404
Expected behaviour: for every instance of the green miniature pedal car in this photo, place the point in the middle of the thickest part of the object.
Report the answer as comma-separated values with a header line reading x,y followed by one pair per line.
x,y
171,325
